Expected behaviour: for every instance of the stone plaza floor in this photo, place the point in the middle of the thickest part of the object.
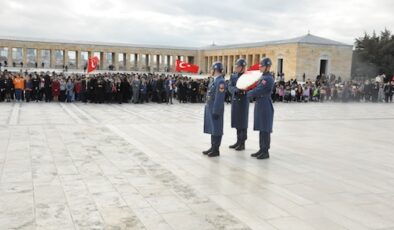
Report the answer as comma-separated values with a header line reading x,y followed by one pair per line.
x,y
110,166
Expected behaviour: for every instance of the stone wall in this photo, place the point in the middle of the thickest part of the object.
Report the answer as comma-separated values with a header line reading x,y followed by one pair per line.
x,y
297,58
309,56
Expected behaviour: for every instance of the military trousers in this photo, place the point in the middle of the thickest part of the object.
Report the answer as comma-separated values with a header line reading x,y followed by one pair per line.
x,y
242,135
216,141
265,141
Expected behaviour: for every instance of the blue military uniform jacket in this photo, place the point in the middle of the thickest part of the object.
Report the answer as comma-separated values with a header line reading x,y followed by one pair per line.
x,y
239,104
215,107
263,109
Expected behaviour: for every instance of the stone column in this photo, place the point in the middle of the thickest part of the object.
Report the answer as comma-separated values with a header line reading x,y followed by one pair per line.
x,y
173,64
228,63
233,57
77,59
65,58
157,60
224,62
24,57
52,62
126,61
204,64
9,56
141,61
38,58
144,62
158,64
208,64
137,60
102,61
168,63
115,60
152,62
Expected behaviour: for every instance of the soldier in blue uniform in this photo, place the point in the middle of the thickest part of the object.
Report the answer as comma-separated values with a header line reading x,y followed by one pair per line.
x,y
239,106
214,110
263,109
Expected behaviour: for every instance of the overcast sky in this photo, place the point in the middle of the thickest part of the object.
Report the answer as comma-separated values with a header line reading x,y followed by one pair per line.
x,y
192,23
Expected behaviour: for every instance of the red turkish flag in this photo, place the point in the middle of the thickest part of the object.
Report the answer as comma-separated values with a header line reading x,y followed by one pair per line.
x,y
254,67
182,66
92,63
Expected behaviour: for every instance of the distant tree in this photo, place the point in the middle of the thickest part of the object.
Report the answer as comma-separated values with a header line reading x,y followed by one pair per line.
x,y
377,50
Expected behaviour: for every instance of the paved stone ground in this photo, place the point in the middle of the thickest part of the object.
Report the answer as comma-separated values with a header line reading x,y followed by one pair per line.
x,y
77,166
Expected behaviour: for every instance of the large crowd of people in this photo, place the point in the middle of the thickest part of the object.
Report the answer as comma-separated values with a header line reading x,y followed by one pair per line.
x,y
101,88
330,88
136,88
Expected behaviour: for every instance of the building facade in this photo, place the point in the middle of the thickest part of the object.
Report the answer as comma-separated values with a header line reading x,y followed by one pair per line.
x,y
308,55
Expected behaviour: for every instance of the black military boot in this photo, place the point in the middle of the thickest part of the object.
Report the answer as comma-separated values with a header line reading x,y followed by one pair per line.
x,y
263,155
214,153
234,145
241,146
256,154
206,152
